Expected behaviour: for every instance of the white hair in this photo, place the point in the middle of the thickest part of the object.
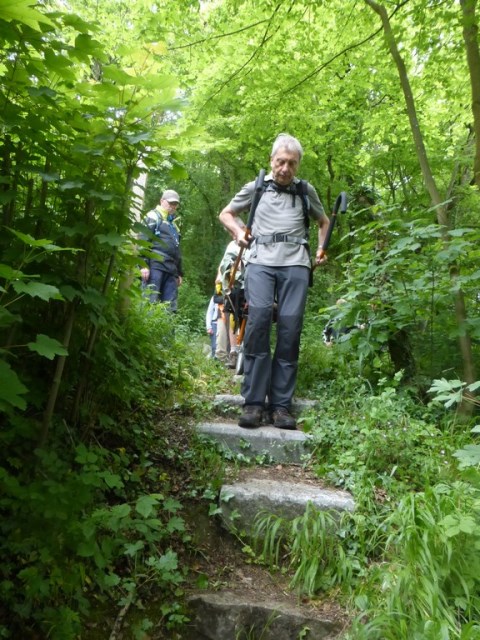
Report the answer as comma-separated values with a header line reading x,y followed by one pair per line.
x,y
288,142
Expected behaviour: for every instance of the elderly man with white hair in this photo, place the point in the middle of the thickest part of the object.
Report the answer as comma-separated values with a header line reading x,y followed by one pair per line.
x,y
278,271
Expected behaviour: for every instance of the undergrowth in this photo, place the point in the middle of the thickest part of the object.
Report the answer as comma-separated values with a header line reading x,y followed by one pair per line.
x,y
406,562
96,519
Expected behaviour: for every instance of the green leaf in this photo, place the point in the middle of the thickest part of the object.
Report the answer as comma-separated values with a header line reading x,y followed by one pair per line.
x,y
457,233
29,240
11,388
169,561
21,11
176,524
145,505
118,76
202,581
112,480
7,318
86,549
38,92
139,137
467,524
69,292
87,45
121,510
469,456
47,347
7,196
84,455
131,549
8,273
38,290
112,239
111,580
213,510
177,172
172,505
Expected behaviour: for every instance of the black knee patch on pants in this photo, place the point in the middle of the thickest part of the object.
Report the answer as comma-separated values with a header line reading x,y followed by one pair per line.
x,y
258,341
288,342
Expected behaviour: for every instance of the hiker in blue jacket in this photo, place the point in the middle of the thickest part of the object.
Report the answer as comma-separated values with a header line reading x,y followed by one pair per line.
x,y
278,270
162,275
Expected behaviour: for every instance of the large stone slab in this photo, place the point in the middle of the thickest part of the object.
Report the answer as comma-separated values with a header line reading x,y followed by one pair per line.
x,y
241,502
228,615
280,445
298,405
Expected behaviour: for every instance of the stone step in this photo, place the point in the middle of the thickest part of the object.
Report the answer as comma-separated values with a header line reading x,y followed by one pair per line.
x,y
230,615
279,445
241,502
235,400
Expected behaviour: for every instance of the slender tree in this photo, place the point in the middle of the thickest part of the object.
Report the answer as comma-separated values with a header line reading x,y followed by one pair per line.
x,y
470,35
430,183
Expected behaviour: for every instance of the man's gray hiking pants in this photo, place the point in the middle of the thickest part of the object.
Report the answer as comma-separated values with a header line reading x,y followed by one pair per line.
x,y
263,376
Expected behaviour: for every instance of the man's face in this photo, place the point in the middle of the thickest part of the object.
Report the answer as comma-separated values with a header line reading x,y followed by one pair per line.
x,y
284,166
170,207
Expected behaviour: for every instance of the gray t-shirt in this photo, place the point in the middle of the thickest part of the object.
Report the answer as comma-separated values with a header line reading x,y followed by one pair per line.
x,y
278,212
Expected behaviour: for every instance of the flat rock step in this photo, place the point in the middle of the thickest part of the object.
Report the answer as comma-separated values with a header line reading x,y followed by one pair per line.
x,y
241,502
229,615
298,405
279,445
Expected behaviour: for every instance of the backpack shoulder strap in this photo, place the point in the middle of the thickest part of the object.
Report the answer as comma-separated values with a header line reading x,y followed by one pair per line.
x,y
259,190
302,191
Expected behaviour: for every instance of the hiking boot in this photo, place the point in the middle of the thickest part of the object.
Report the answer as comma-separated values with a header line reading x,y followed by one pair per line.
x,y
282,419
232,360
251,417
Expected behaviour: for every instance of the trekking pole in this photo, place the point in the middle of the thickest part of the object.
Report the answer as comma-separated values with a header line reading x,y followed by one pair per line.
x,y
258,192
340,205
256,199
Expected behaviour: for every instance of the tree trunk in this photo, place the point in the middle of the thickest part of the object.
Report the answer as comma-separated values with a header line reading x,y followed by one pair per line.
x,y
401,354
57,378
412,114
470,35
442,215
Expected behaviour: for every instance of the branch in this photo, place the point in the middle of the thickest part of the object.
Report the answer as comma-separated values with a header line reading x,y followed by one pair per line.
x,y
121,615
325,64
221,35
265,39
337,55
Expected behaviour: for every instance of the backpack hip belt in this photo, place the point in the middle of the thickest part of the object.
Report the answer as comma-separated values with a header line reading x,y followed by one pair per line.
x,y
280,237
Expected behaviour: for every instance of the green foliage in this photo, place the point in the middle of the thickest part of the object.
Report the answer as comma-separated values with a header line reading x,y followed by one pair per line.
x,y
311,545
451,392
192,305
407,558
430,586
359,433
111,539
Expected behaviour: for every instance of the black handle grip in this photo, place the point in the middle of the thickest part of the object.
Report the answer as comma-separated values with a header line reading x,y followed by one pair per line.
x,y
340,205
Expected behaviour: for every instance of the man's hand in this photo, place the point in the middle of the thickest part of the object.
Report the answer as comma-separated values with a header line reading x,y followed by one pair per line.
x,y
320,257
243,239
145,273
